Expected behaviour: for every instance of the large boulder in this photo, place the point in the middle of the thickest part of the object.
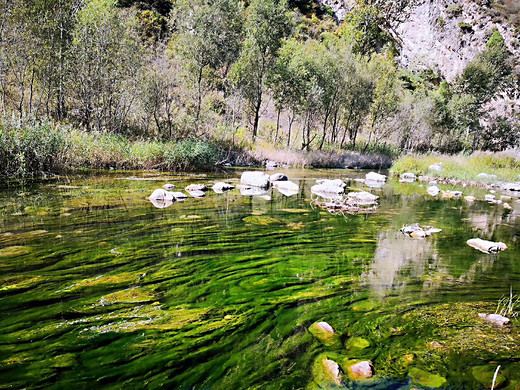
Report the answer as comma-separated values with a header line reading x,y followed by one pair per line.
x,y
433,190
325,187
362,198
197,194
255,179
486,246
325,334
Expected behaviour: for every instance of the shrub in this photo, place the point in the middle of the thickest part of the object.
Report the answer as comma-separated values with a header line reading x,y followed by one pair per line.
x,y
30,149
454,9
191,155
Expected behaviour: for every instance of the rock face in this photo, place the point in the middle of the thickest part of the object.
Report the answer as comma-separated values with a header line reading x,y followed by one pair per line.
x,y
256,179
486,246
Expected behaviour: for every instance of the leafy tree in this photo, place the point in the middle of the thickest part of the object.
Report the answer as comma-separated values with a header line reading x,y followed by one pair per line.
x,y
209,38
106,60
267,24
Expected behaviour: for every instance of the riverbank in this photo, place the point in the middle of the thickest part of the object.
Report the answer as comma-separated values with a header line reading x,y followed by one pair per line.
x,y
33,150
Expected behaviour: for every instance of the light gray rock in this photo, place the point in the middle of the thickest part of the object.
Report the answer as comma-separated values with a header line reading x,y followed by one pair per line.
x,y
485,246
496,319
246,190
510,186
437,167
161,194
375,177
179,195
287,188
196,187
362,198
197,194
255,178
221,187
168,186
486,176
278,177
433,190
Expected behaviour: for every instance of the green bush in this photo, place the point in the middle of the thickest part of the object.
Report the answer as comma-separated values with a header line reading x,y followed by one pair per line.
x,y
191,155
30,149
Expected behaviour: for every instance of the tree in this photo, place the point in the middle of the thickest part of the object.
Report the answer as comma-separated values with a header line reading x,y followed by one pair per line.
x,y
267,24
209,38
105,65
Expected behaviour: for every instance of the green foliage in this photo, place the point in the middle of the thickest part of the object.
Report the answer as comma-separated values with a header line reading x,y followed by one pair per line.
x,y
30,149
192,155
454,9
440,21
466,27
503,133
362,27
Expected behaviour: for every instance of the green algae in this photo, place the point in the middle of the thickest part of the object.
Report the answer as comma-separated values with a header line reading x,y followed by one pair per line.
x,y
222,302
260,220
485,374
325,334
16,250
357,344
426,379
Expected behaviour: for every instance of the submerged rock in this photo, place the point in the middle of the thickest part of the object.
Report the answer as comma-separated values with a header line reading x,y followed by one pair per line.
x,y
357,344
417,231
363,198
168,186
256,179
161,204
324,187
451,194
496,319
485,374
486,246
220,187
326,372
357,370
325,334
510,186
424,378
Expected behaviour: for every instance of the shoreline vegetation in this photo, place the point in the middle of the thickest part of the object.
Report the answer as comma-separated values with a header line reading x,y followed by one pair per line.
x,y
35,150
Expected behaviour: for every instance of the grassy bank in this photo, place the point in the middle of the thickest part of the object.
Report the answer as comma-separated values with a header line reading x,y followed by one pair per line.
x,y
35,149
505,165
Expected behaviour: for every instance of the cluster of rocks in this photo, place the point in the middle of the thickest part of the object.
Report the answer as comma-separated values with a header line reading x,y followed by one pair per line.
x,y
253,183
419,232
330,195
164,197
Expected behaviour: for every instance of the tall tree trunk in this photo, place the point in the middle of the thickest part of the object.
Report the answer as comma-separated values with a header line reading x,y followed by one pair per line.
x,y
199,97
277,124
257,116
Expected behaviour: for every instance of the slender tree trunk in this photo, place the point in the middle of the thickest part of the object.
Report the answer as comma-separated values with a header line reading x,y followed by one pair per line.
x,y
324,129
277,124
199,97
257,116
31,89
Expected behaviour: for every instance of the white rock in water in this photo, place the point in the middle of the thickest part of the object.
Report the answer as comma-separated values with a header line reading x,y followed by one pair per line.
x,y
408,176
256,179
278,177
168,186
489,198
246,190
196,187
433,191
287,188
331,183
197,194
510,186
495,318
326,327
325,187
362,196
486,176
220,187
333,371
361,370
486,246
179,195
161,194
372,176
437,167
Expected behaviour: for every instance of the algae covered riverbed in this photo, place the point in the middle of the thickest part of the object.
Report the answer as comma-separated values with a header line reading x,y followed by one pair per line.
x,y
100,288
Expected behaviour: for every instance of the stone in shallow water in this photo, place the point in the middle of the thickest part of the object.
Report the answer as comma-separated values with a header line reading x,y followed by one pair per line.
x,y
424,378
486,246
326,372
325,334
196,187
357,370
12,251
496,319
168,186
484,375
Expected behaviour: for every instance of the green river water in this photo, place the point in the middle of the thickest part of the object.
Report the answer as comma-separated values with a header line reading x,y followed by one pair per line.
x,y
100,289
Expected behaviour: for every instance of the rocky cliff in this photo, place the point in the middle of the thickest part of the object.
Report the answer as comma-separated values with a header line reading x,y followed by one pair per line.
x,y
445,35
